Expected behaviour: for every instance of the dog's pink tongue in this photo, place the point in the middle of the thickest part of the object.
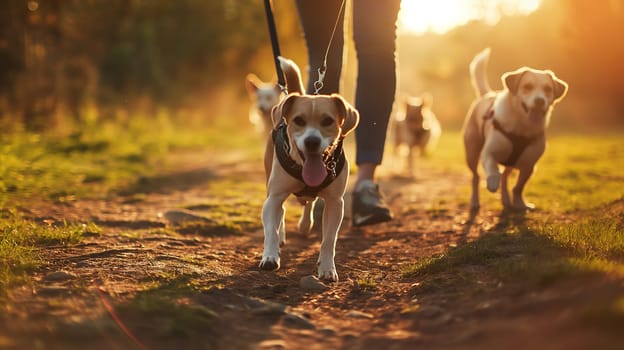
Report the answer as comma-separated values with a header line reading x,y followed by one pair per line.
x,y
314,171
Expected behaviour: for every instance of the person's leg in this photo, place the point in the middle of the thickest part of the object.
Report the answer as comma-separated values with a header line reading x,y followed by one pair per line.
x,y
317,21
374,34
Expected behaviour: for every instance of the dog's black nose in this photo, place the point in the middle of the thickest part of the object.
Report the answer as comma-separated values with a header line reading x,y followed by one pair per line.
x,y
312,143
539,102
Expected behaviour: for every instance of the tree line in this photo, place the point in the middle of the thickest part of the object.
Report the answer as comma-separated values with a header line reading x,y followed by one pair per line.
x,y
58,57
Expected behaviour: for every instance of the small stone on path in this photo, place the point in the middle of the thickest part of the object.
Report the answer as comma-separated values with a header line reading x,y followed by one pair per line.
x,y
272,344
298,321
179,217
312,283
328,331
263,307
53,290
58,276
358,314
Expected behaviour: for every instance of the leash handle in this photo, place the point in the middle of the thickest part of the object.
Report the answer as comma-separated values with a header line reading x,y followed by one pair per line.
x,y
275,45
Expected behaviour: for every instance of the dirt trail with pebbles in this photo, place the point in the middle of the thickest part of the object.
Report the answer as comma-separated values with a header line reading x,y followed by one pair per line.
x,y
143,283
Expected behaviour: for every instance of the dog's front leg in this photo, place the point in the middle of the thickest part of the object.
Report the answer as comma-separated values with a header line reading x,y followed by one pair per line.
x,y
523,177
410,160
307,219
504,191
272,220
332,218
492,174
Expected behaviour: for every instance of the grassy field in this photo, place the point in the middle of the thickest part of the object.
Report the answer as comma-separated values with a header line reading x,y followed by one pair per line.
x,y
578,186
98,162
577,230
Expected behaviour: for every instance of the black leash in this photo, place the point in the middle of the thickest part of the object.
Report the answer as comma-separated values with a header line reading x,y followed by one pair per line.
x,y
318,85
275,45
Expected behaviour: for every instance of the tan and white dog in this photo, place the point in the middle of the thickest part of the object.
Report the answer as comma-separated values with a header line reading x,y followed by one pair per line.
x,y
264,96
508,127
305,158
417,128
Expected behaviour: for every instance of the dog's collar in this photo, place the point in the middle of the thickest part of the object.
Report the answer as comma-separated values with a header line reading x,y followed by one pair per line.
x,y
334,161
518,142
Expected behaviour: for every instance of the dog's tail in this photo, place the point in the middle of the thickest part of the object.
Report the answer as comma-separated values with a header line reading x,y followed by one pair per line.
x,y
292,74
477,72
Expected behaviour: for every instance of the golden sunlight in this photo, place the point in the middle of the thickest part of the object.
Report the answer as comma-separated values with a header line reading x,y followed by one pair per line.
x,y
440,16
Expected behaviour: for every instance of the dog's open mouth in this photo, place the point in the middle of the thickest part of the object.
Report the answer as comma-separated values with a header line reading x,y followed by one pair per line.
x,y
536,114
314,172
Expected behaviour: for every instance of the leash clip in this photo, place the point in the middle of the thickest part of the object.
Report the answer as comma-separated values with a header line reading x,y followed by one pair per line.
x,y
318,85
331,166
283,89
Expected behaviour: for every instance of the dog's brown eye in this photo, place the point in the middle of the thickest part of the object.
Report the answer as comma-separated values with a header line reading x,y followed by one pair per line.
x,y
528,87
327,121
299,121
547,89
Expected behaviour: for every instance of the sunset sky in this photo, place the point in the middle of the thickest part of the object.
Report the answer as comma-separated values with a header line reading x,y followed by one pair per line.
x,y
440,16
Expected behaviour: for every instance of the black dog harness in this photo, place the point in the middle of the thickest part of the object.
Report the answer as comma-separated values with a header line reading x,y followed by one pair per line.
x,y
518,142
334,161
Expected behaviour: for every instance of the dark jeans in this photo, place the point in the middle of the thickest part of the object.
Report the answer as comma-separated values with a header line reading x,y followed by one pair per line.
x,y
374,35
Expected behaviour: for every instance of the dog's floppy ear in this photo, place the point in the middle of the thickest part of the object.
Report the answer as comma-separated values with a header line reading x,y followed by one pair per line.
x,y
416,102
281,109
511,80
427,99
252,82
350,115
560,87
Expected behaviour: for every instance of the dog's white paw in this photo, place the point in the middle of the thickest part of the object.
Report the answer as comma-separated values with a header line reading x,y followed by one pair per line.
x,y
492,182
328,273
522,206
270,263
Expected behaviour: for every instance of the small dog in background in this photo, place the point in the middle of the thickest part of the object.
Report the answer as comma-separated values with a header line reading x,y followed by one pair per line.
x,y
263,96
507,127
417,128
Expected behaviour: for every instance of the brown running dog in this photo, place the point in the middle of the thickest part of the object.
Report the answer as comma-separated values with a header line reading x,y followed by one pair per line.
x,y
507,127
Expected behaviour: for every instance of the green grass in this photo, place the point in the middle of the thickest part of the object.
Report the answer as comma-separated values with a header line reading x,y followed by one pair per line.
x,y
576,171
534,252
591,238
577,174
62,167
577,230
168,317
99,161
19,239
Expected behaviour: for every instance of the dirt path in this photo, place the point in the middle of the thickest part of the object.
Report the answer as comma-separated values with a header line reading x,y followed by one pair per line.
x,y
137,285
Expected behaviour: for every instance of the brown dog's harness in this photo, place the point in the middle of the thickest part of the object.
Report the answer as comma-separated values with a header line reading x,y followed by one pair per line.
x,y
518,142
334,161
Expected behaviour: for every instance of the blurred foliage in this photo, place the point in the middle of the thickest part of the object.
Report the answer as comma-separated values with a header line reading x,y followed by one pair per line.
x,y
125,53
86,59
579,40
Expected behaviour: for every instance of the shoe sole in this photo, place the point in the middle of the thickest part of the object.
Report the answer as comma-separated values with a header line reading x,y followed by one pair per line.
x,y
370,219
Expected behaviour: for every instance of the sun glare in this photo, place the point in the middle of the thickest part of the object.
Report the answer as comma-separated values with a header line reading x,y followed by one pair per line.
x,y
440,16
